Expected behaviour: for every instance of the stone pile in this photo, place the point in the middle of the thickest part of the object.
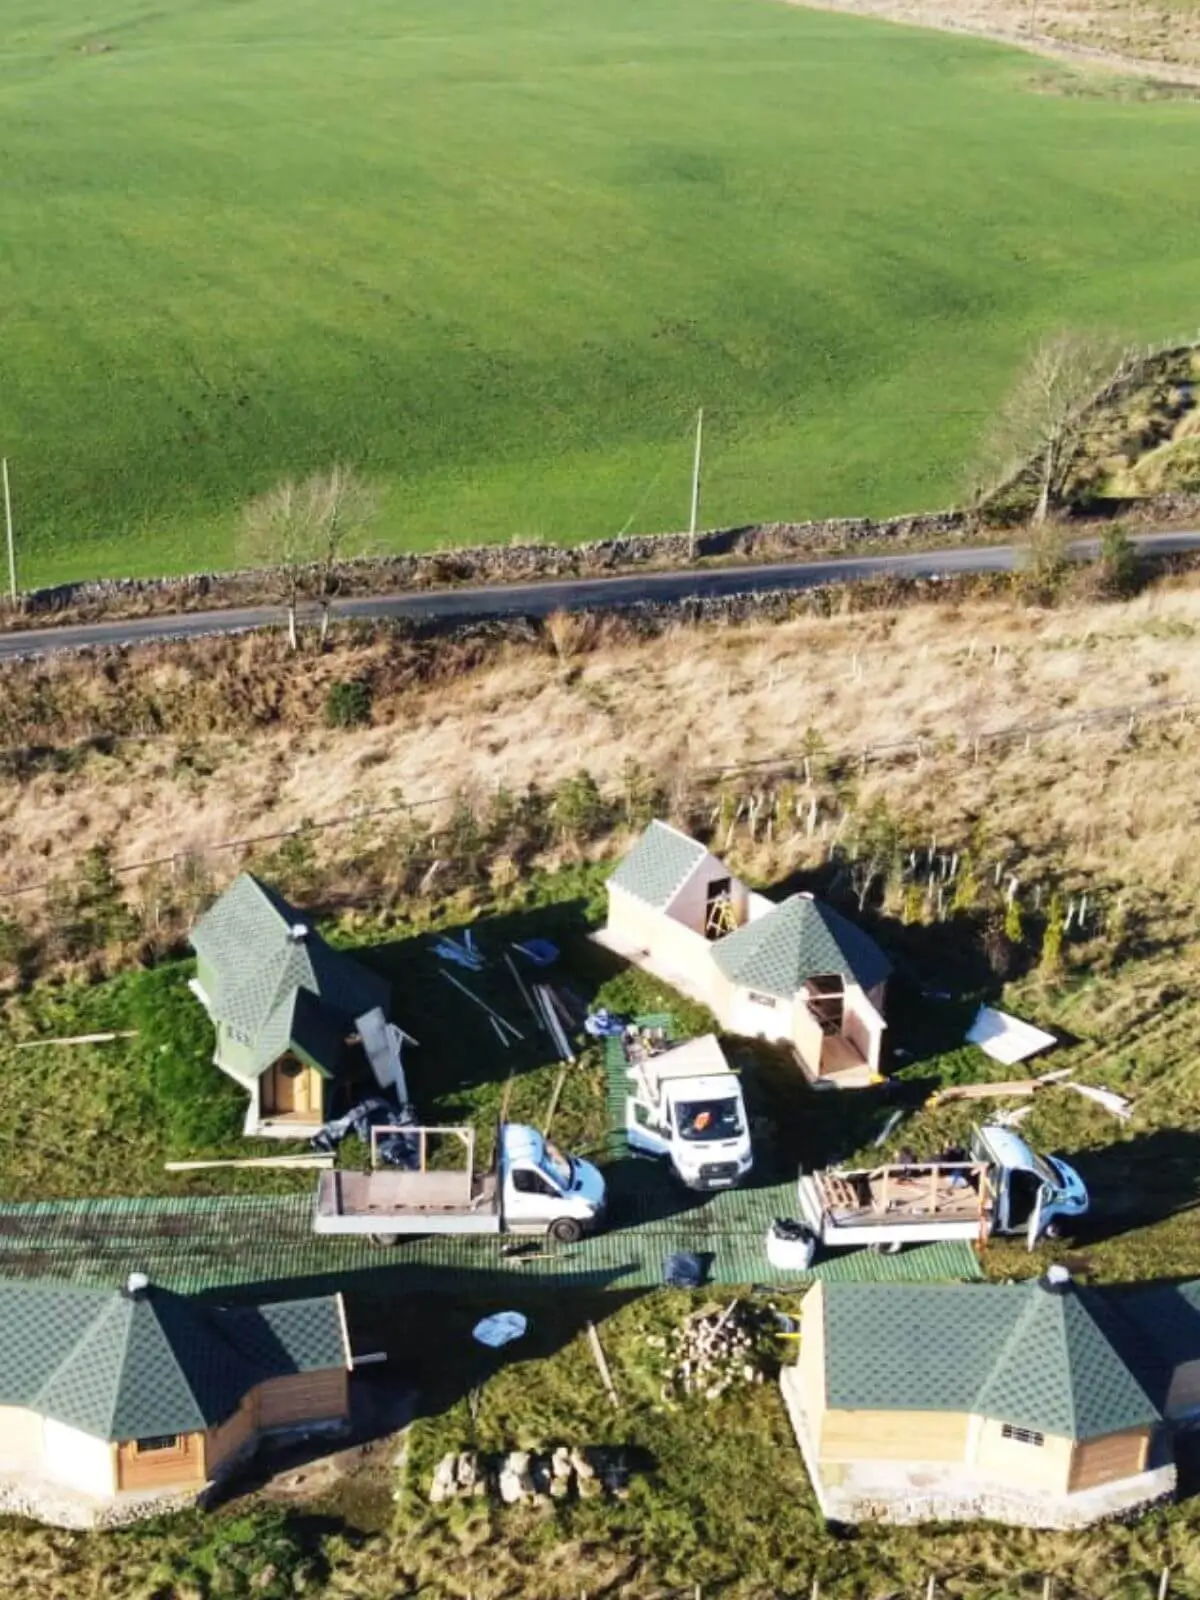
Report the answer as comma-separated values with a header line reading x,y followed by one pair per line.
x,y
710,1352
552,1474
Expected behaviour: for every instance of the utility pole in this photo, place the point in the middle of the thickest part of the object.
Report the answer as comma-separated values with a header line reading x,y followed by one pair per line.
x,y
12,559
696,482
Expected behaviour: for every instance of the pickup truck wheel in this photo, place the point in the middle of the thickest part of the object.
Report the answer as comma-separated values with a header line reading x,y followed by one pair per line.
x,y
384,1241
892,1249
566,1230
1052,1230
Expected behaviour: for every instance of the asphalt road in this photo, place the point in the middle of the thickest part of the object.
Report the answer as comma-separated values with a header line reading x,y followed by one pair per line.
x,y
568,594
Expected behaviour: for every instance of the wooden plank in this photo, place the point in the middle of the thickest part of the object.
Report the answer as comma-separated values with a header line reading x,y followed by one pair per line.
x,y
553,1107
601,1363
985,1091
79,1038
525,994
302,1163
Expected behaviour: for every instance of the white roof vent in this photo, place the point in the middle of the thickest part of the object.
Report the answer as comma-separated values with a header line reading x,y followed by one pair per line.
x,y
1057,1279
136,1284
298,932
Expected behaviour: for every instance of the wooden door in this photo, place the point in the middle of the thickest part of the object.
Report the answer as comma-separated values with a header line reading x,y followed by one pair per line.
x,y
285,1086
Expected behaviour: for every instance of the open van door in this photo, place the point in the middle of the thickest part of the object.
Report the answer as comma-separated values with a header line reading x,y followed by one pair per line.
x,y
642,1132
1034,1231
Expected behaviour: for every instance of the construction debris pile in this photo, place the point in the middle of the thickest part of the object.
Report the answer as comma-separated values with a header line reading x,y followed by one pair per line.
x,y
560,1473
550,1012
710,1351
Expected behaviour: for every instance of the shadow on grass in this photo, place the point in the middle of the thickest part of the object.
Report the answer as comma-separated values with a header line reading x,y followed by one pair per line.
x,y
459,1048
424,1333
1135,1183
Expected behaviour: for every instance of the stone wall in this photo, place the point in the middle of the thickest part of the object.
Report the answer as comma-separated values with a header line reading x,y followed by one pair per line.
x,y
493,564
762,542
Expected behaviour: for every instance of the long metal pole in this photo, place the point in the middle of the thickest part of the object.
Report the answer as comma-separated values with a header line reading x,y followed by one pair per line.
x,y
696,477
12,559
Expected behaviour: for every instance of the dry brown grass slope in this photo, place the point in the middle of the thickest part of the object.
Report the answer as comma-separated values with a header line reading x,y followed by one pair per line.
x,y
1119,805
1140,38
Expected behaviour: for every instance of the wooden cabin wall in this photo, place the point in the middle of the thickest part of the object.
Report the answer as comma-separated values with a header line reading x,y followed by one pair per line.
x,y
303,1397
182,1465
225,1440
894,1436
1104,1460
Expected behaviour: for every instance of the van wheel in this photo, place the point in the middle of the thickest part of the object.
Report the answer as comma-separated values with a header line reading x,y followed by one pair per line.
x,y
892,1249
384,1241
567,1230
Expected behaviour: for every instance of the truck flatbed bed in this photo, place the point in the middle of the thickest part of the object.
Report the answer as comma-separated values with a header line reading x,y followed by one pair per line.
x,y
897,1194
394,1198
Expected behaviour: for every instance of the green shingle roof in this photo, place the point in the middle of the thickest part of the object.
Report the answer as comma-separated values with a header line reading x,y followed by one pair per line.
x,y
271,990
121,1366
658,865
1040,1358
801,938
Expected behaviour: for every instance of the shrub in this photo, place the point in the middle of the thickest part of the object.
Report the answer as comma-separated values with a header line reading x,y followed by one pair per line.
x,y
966,886
1117,568
1052,937
89,912
1042,577
16,945
578,809
348,703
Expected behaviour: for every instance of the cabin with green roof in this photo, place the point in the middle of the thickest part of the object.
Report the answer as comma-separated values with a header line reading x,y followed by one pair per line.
x,y
798,971
1041,1403
118,1399
288,1008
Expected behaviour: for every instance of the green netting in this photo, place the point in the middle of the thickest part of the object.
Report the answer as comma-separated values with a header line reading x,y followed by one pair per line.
x,y
220,1242
213,1243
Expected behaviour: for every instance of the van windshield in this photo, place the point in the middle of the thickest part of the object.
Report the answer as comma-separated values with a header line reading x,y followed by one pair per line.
x,y
702,1120
1018,1157
1045,1171
557,1166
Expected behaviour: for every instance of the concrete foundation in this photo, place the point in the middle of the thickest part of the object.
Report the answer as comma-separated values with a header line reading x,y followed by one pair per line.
x,y
42,1500
939,1491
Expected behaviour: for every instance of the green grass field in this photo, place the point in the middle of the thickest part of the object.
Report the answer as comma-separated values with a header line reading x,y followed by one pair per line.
x,y
497,253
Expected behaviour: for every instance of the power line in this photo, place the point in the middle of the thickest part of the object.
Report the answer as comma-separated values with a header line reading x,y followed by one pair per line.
x,y
1104,716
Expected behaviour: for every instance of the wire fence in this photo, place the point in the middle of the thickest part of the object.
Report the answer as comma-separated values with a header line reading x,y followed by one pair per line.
x,y
1149,1584
913,748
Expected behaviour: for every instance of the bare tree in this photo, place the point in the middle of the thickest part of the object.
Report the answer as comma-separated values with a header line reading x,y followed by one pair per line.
x,y
301,531
1040,427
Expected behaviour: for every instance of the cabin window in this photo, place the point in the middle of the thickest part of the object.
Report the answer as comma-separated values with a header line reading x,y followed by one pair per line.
x,y
1022,1435
527,1182
766,1000
156,1441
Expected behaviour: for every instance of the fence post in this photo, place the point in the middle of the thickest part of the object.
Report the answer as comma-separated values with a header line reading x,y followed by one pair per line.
x,y
1164,1583
931,1586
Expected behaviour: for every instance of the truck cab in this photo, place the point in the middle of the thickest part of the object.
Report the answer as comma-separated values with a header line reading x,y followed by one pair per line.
x,y
1034,1193
545,1191
686,1104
